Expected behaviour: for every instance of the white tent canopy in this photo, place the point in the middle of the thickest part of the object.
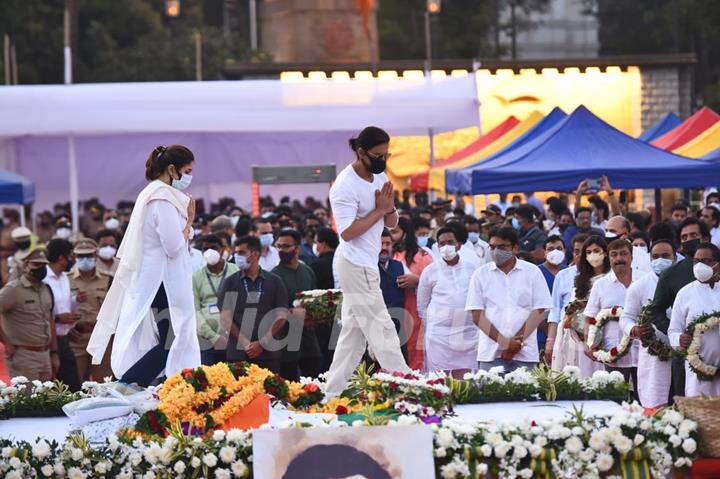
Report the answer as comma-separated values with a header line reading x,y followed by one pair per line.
x,y
102,133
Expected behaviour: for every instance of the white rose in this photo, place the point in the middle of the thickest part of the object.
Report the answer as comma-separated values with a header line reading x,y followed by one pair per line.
x,y
47,470
587,455
239,469
210,459
76,454
574,445
440,452
689,445
195,462
502,449
535,450
76,473
235,435
227,454
541,441
520,452
623,444
15,463
639,439
222,474
218,435
444,437
41,449
13,475
17,380
179,467
149,475
675,440
604,462
486,450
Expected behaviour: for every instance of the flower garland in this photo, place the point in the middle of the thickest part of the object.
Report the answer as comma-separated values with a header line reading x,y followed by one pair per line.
x,y
203,398
596,327
574,315
320,305
653,345
564,447
696,329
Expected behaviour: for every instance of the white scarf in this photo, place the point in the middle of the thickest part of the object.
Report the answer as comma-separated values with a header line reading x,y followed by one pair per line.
x,y
130,254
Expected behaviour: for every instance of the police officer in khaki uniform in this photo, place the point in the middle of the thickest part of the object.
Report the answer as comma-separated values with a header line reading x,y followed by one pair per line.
x,y
28,326
23,240
89,287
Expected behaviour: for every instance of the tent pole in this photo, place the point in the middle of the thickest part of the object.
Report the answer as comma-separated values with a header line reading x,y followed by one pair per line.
x,y
431,137
21,209
74,190
658,205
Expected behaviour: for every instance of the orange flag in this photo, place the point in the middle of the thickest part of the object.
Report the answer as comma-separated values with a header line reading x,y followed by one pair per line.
x,y
365,7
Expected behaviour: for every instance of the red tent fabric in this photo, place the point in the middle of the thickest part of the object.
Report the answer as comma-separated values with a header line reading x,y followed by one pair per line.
x,y
700,121
419,182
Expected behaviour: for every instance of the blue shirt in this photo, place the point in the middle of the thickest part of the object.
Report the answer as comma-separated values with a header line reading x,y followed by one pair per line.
x,y
550,280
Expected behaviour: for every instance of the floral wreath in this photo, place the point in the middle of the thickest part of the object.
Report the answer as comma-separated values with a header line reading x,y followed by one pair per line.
x,y
573,315
653,345
696,329
595,334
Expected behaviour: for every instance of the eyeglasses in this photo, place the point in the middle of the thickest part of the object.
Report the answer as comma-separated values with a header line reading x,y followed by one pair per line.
x,y
382,156
284,246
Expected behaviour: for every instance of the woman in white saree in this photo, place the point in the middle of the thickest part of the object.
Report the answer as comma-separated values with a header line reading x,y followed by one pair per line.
x,y
154,252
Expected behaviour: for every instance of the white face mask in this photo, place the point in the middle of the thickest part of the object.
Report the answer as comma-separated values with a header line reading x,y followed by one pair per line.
x,y
555,257
234,220
63,233
225,255
315,249
596,259
448,252
211,257
107,253
183,182
703,272
112,224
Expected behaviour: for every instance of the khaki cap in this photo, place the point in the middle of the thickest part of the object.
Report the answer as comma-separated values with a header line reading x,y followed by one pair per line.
x,y
35,255
85,246
20,233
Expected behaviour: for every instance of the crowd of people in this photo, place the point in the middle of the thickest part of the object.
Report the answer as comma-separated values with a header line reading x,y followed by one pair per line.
x,y
464,291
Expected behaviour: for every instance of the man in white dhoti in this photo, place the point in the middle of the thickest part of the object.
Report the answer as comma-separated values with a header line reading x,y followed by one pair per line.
x,y
451,337
697,298
362,203
154,251
653,373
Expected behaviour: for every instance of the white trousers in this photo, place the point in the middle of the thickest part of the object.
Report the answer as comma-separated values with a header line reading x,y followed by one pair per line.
x,y
365,319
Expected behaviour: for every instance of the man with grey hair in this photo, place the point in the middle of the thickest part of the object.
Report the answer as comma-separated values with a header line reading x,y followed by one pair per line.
x,y
618,227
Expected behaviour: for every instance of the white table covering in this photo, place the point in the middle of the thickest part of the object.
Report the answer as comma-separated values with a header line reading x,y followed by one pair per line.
x,y
28,429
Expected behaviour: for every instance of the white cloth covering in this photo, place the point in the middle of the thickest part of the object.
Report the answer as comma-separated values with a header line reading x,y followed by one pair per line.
x,y
62,297
608,292
351,198
653,374
451,337
565,352
508,300
153,251
269,260
692,301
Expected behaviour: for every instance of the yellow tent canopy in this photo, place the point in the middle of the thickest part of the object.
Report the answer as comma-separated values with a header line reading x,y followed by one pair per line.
x,y
702,144
436,180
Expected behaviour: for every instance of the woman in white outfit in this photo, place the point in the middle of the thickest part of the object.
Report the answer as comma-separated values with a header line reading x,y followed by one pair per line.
x,y
592,265
700,297
154,252
653,373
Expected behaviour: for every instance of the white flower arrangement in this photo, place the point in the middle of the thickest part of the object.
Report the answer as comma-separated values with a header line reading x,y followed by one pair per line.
x,y
696,329
595,335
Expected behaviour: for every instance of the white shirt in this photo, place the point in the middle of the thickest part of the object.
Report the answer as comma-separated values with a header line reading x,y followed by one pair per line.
x,y
637,296
60,286
715,236
351,197
481,249
270,259
641,262
196,260
562,293
508,300
451,337
607,292
691,301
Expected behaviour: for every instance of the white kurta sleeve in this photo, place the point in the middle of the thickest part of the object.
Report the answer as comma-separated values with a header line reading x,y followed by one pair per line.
x,y
556,311
169,227
593,305
678,319
424,292
631,308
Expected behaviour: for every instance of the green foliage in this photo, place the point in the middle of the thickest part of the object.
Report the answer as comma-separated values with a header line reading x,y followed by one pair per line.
x,y
129,40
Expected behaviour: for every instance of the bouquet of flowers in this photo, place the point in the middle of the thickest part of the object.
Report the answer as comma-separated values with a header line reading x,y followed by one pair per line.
x,y
34,399
320,305
574,318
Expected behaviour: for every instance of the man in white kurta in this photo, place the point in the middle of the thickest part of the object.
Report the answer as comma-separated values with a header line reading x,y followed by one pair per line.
x,y
653,373
693,300
609,291
507,299
451,338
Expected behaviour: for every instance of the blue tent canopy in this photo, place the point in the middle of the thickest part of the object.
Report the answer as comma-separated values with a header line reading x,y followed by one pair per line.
x,y
460,181
670,121
713,155
583,146
15,189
